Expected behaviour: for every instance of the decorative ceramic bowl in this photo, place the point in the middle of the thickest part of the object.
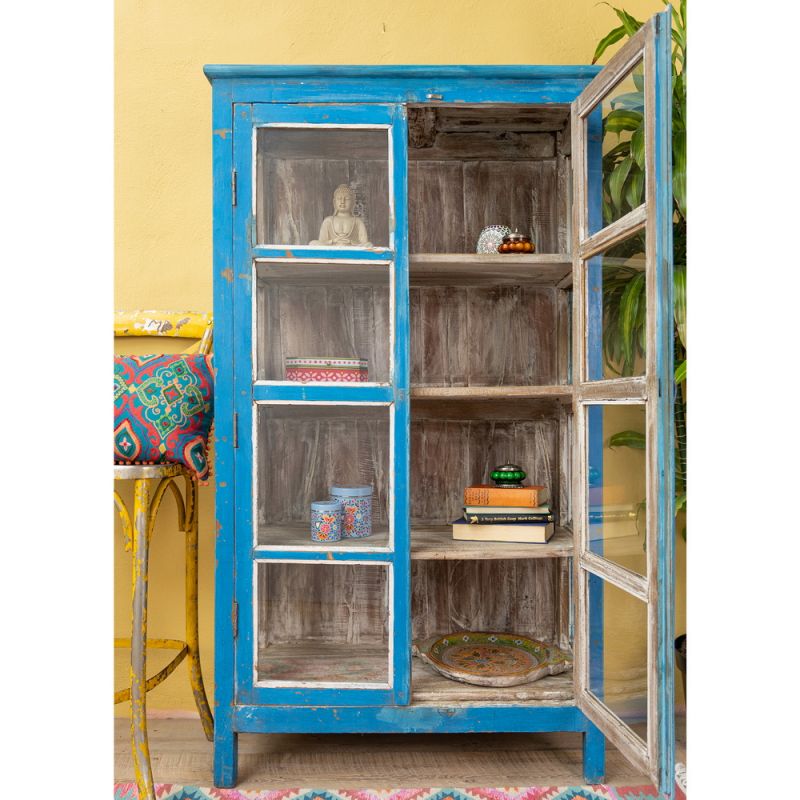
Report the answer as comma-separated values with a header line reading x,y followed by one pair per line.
x,y
491,238
492,659
337,370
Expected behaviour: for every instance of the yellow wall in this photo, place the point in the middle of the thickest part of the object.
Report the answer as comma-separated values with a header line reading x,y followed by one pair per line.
x,y
163,164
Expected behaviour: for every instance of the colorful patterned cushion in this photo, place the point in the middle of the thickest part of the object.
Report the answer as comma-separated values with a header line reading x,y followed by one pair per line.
x,y
163,410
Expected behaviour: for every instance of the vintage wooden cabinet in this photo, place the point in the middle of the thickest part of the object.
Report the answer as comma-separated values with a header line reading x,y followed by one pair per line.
x,y
473,360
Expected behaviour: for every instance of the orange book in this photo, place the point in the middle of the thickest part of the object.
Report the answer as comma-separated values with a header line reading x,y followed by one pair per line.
x,y
524,496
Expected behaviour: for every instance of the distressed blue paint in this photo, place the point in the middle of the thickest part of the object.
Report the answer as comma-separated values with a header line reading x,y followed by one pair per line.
x,y
594,755
298,697
340,114
225,737
301,253
406,72
401,381
665,434
414,91
305,393
243,358
328,554
410,719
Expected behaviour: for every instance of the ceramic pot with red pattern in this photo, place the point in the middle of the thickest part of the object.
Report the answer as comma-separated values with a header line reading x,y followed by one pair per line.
x,y
331,370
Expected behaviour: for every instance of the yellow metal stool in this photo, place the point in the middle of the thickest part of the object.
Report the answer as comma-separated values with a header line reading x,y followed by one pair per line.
x,y
151,483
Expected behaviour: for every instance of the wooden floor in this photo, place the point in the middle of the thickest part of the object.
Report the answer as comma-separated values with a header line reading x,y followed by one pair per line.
x,y
181,754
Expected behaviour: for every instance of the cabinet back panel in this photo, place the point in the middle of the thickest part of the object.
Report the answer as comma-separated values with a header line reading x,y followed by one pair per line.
x,y
341,603
449,454
341,321
484,336
305,449
449,596
296,194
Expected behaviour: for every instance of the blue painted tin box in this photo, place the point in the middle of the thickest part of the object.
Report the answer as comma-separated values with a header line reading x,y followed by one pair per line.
x,y
357,510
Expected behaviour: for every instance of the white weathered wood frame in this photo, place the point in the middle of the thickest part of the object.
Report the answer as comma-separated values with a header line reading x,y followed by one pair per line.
x,y
641,390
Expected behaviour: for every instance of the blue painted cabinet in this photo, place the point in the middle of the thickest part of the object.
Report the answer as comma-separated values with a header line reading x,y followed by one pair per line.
x,y
347,206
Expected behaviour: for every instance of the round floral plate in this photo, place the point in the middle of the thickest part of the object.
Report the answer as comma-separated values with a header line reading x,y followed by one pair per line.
x,y
492,659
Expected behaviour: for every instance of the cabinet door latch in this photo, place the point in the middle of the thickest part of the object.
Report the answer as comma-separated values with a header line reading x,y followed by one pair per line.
x,y
235,430
235,619
233,187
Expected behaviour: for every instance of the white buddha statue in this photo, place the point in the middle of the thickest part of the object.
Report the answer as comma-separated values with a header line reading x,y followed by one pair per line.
x,y
343,229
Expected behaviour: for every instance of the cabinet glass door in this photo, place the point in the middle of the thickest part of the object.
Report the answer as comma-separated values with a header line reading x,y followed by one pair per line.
x,y
624,524
321,387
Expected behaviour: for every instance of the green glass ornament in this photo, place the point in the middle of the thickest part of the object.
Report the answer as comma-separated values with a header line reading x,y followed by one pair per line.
x,y
508,476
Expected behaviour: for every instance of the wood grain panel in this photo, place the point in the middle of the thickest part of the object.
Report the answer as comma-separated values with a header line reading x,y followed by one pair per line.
x,y
301,455
436,207
483,336
449,596
294,195
340,320
331,605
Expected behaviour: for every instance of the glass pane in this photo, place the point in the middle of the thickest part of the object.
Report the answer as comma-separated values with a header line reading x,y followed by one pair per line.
x,y
618,652
615,128
304,450
617,484
323,623
616,311
322,186
324,323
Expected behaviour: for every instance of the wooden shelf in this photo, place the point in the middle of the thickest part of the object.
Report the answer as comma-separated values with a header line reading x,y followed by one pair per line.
x,y
324,662
473,269
436,543
428,687
297,536
562,391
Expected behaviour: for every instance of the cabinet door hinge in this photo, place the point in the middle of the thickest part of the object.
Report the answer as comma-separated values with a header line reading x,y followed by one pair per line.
x,y
235,429
235,619
233,187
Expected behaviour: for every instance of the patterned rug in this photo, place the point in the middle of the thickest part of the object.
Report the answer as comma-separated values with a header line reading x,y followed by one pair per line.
x,y
172,791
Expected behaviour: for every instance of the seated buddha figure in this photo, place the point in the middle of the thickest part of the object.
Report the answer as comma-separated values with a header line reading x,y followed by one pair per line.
x,y
343,228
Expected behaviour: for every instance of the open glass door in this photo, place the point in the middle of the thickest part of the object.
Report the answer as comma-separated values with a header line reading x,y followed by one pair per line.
x,y
623,362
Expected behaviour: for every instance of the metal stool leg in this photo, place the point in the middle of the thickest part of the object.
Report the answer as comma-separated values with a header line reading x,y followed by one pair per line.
x,y
141,537
192,635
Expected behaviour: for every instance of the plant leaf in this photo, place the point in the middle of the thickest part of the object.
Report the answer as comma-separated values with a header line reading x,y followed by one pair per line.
x,y
633,194
634,439
637,146
680,372
631,24
622,120
629,311
679,300
610,38
617,181
634,101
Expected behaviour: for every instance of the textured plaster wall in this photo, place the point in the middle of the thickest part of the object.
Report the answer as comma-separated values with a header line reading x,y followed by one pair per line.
x,y
163,167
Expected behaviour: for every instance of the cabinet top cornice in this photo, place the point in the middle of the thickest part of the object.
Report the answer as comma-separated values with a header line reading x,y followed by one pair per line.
x,y
328,71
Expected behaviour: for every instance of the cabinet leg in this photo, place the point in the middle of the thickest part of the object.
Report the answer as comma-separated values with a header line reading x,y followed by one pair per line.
x,y
594,755
226,756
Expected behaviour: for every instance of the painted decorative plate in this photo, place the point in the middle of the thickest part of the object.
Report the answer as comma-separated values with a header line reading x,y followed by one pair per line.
x,y
492,659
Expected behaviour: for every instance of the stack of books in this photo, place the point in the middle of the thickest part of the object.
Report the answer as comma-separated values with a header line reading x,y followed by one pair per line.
x,y
509,514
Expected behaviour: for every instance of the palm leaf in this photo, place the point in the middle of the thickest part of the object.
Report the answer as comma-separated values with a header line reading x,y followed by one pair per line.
x,y
637,146
679,311
680,372
629,312
634,439
635,188
634,101
622,120
631,24
616,183
611,38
